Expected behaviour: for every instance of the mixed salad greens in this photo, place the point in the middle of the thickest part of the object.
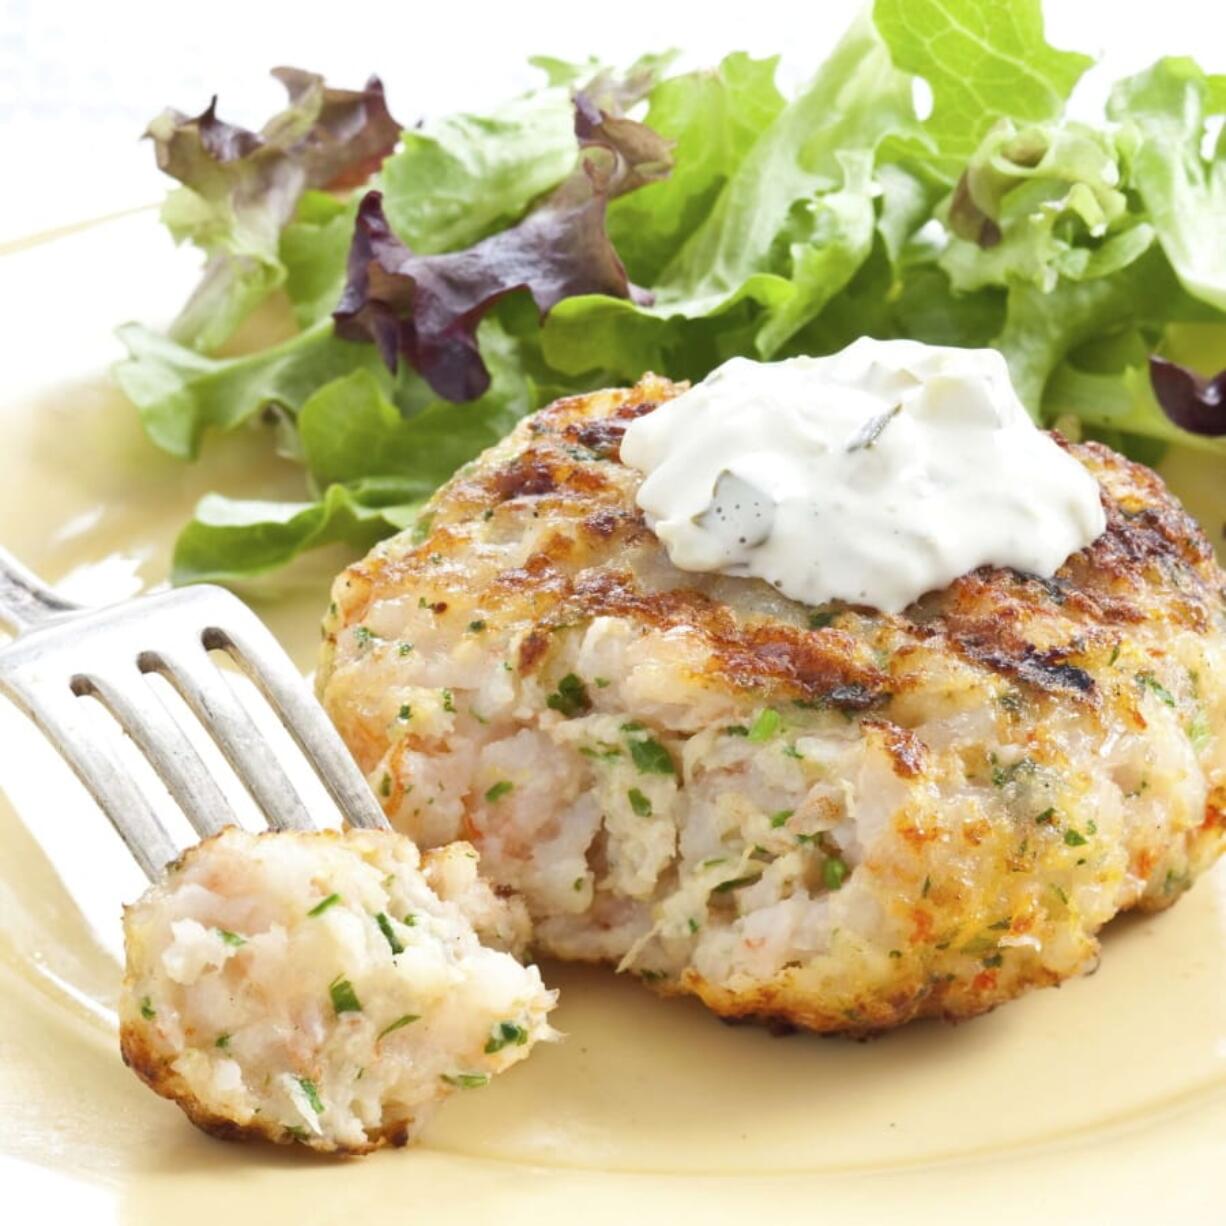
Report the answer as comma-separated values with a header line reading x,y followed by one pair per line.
x,y
449,278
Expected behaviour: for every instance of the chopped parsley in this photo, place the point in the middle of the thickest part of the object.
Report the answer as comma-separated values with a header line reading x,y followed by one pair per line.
x,y
467,1081
344,998
578,885
651,757
231,938
477,625
820,620
780,818
404,648
363,635
1074,838
296,1131
409,920
1004,775
147,1010
765,725
448,701
570,698
505,1034
1150,682
639,803
834,872
385,927
404,1020
1046,817
693,923
223,1041
405,712
496,791
311,1091
320,907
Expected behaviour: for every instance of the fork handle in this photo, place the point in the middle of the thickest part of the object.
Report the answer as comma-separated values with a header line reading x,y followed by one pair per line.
x,y
25,600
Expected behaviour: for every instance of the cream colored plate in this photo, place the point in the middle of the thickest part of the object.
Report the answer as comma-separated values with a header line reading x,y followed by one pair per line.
x,y
1104,1101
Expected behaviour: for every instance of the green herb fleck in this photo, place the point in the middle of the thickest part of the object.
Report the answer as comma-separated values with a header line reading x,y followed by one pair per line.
x,y
223,1041
634,725
1047,817
570,698
448,701
404,1020
735,883
1199,732
467,1081
496,791
1115,655
385,785
652,976
409,920
505,1034
603,683
344,999
819,621
578,885
639,803
231,938
385,927
736,730
405,712
1074,838
1150,682
421,527
405,648
651,757
765,725
147,1011
693,923
834,872
780,818
296,1131
477,626
312,1094
363,635
320,907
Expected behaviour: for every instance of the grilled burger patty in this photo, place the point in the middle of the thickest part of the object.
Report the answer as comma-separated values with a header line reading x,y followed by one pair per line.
x,y
829,817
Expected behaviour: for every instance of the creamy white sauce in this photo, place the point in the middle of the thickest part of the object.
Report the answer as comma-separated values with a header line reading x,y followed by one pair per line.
x,y
871,476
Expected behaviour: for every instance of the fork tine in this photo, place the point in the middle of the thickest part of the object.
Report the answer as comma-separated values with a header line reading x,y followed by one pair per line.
x,y
254,649
145,718
127,807
199,681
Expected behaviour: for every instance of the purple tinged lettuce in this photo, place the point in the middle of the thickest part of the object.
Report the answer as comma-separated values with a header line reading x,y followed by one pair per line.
x,y
1193,403
426,308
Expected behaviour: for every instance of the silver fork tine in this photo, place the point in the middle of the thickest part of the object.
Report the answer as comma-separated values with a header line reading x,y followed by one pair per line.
x,y
129,810
252,646
144,717
199,681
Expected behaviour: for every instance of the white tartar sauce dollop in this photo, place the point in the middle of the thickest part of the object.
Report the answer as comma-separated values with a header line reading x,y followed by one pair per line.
x,y
871,476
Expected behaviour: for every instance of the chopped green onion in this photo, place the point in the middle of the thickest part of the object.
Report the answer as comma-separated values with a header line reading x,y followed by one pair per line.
x,y
1073,838
385,927
765,725
780,818
223,1041
404,1020
1150,682
496,791
363,635
385,785
505,1034
603,683
405,648
231,938
321,907
466,1081
448,701
735,883
405,712
147,1010
344,999
477,626
311,1091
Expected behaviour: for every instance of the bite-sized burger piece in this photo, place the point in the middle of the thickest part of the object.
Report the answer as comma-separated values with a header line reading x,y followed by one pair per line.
x,y
827,816
314,987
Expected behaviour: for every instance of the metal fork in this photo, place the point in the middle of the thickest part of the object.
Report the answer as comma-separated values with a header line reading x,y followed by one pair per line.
x,y
64,653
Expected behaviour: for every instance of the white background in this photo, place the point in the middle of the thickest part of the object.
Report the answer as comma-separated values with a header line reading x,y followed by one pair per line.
x,y
79,79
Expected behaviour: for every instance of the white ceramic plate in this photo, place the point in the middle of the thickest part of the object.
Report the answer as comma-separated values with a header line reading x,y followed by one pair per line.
x,y
1104,1101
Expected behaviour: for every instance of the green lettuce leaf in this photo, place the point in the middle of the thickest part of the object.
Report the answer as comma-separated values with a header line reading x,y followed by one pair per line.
x,y
1162,112
984,60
